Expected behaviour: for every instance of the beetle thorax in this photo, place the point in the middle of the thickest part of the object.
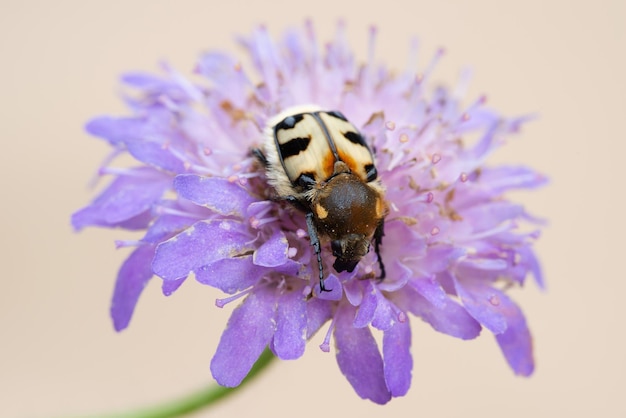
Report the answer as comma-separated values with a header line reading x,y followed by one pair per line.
x,y
346,205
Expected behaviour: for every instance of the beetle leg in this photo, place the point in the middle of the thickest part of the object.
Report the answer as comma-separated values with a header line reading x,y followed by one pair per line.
x,y
378,239
315,242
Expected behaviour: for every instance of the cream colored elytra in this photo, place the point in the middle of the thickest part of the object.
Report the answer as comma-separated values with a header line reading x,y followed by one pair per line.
x,y
317,160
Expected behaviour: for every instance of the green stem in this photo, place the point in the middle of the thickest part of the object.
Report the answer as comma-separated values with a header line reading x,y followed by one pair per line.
x,y
195,401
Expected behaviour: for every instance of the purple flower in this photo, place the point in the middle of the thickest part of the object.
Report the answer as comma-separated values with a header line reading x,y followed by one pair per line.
x,y
453,243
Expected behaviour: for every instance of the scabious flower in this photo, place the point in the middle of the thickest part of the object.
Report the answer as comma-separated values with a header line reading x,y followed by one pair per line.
x,y
453,243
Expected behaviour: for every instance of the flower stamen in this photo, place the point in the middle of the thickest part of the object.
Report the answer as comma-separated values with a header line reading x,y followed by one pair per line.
x,y
325,345
127,243
256,223
105,163
431,66
220,303
166,210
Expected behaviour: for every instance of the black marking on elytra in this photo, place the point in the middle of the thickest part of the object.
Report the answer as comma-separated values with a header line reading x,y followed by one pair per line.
x,y
355,138
306,180
371,172
329,138
337,114
294,146
289,122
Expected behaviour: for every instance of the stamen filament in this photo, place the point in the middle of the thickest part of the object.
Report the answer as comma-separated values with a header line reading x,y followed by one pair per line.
x,y
127,243
220,303
325,345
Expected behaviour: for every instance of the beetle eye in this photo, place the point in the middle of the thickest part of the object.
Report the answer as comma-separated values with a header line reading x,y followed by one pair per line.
x,y
336,247
306,180
371,172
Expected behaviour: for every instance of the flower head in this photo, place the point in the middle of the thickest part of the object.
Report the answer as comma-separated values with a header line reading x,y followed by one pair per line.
x,y
452,246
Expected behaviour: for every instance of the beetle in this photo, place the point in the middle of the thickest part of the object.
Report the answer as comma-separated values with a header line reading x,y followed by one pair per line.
x,y
319,162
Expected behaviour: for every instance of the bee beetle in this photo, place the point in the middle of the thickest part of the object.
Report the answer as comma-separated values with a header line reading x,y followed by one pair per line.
x,y
319,162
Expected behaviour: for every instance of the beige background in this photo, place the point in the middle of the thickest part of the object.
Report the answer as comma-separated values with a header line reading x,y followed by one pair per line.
x,y
59,65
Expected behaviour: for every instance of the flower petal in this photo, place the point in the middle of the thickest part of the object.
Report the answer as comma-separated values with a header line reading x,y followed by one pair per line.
x,y
483,146
318,311
155,85
115,130
168,287
265,58
386,313
354,291
231,274
127,196
249,331
359,359
291,325
200,245
334,289
398,360
427,299
132,278
529,260
165,226
137,222
398,276
404,237
144,138
218,194
491,214
367,308
156,154
482,302
482,264
505,178
273,252
226,75
439,257
516,342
